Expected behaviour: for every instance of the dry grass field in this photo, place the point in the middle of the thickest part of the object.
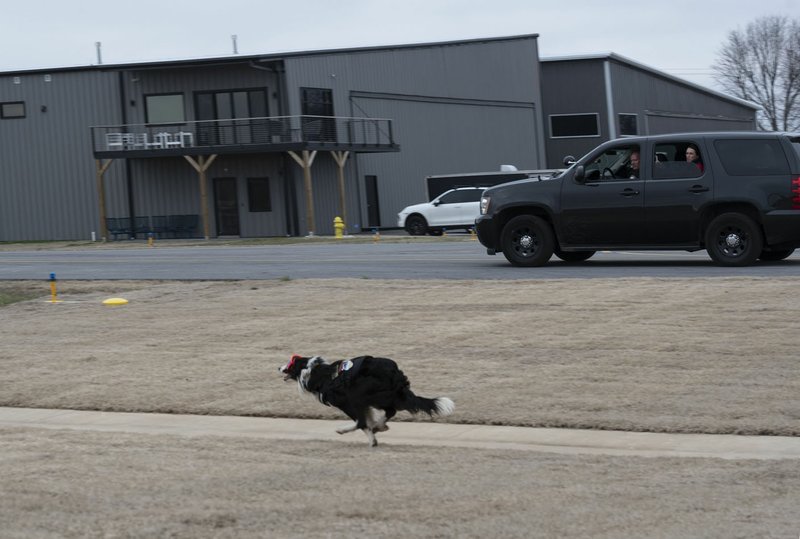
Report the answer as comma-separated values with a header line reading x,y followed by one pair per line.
x,y
706,355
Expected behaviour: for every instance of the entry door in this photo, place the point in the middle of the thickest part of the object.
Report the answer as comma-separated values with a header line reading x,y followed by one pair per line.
x,y
226,206
373,208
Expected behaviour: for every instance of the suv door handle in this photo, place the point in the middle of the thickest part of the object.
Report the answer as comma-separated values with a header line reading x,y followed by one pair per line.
x,y
698,189
628,192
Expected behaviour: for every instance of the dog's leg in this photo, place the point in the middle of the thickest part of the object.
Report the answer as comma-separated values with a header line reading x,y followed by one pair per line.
x,y
371,437
345,430
376,420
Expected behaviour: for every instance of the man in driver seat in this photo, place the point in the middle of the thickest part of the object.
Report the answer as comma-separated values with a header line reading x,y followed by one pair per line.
x,y
631,171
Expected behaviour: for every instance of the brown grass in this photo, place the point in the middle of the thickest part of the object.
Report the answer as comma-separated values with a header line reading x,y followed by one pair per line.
x,y
706,355
88,484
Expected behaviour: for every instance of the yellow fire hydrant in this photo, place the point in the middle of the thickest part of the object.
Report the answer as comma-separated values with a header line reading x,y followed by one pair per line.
x,y
338,228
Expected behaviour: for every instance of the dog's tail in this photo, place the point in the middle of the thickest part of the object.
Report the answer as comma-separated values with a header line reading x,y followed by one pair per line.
x,y
439,406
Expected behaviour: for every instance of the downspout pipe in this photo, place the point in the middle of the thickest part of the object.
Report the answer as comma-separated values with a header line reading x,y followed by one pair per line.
x,y
612,127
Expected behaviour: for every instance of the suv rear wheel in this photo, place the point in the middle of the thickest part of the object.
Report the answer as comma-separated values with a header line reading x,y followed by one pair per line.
x,y
574,256
733,239
774,256
527,240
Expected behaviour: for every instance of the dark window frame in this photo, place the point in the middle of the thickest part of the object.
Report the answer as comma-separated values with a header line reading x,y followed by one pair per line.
x,y
226,131
230,92
318,129
5,116
327,102
560,129
259,202
635,124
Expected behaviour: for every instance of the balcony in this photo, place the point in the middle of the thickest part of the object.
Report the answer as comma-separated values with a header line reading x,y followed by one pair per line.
x,y
244,135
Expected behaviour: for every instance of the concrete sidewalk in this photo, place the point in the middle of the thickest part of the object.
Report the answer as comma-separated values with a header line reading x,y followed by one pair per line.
x,y
563,441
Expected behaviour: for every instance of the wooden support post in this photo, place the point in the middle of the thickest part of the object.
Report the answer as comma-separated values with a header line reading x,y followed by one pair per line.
x,y
341,159
306,161
201,166
101,168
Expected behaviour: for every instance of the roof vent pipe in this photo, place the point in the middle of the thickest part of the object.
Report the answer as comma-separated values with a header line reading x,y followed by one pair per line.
x,y
98,45
235,48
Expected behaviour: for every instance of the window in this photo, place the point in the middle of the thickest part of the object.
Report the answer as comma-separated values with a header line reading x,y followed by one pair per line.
x,y
669,161
14,109
759,157
318,102
258,198
627,125
574,125
164,109
621,163
238,106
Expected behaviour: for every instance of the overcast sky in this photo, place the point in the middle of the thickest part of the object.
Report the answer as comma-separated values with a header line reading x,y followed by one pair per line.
x,y
677,36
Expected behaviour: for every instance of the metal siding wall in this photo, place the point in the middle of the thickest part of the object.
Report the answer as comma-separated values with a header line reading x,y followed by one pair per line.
x,y
443,138
500,71
640,92
438,136
47,173
570,88
658,125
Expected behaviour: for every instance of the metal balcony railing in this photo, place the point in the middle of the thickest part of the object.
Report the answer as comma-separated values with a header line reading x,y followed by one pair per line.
x,y
282,132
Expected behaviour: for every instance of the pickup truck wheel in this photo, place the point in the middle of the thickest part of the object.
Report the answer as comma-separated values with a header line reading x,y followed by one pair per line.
x,y
733,239
574,256
416,225
527,240
774,256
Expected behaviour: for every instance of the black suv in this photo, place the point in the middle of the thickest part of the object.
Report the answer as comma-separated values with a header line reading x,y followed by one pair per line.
x,y
737,195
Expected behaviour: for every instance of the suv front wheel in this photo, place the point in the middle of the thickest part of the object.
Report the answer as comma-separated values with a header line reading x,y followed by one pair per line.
x,y
527,240
733,239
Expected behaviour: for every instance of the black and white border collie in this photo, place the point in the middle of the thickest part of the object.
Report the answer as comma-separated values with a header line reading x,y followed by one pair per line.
x,y
370,390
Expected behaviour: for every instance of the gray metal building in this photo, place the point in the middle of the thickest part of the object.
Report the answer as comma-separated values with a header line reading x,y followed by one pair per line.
x,y
263,145
591,99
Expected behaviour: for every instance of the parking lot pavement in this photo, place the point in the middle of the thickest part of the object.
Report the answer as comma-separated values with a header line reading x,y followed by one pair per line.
x,y
564,441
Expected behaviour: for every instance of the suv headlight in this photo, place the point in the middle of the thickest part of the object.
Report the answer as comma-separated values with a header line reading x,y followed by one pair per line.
x,y
485,204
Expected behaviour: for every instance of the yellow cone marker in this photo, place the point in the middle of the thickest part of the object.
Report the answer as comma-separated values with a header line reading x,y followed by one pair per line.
x,y
115,301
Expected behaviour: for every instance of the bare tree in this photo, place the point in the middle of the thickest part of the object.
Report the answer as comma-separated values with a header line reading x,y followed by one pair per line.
x,y
762,64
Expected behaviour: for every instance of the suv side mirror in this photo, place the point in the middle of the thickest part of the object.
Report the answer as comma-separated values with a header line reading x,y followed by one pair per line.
x,y
580,174
569,160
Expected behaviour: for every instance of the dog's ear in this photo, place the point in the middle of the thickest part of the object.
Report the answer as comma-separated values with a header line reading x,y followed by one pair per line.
x,y
293,360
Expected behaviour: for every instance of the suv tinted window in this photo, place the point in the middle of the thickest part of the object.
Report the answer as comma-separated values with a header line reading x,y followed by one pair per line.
x,y
670,161
756,157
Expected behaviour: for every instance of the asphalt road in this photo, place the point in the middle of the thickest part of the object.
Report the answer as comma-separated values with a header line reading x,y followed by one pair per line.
x,y
375,260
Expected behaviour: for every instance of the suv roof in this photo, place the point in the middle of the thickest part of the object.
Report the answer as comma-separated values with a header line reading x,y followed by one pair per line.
x,y
710,134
